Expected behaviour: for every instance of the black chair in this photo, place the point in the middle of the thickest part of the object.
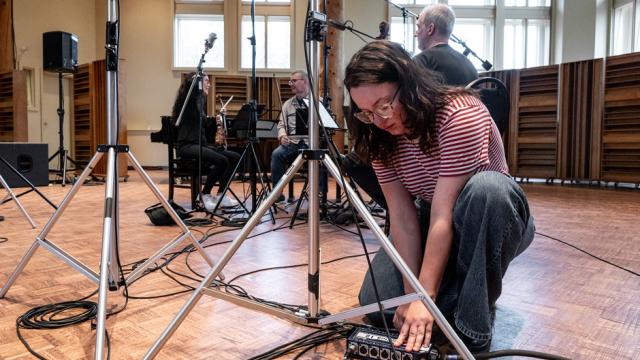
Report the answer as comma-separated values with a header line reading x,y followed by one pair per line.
x,y
495,96
178,167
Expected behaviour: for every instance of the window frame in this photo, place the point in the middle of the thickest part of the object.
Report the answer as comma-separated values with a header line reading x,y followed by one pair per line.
x,y
266,9
198,8
635,20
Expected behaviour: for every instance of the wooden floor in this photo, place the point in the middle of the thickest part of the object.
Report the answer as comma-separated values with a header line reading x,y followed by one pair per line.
x,y
555,298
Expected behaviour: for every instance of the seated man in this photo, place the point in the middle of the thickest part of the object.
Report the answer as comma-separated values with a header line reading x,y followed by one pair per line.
x,y
289,147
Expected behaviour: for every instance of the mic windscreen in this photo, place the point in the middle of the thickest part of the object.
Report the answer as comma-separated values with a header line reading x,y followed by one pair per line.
x,y
384,30
210,40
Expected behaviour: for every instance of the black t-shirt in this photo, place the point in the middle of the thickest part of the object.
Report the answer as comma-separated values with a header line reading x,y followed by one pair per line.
x,y
454,67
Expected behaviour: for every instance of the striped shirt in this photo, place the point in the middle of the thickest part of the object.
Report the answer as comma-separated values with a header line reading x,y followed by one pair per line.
x,y
467,141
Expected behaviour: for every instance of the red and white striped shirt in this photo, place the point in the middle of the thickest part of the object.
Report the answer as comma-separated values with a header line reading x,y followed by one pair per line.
x,y
468,141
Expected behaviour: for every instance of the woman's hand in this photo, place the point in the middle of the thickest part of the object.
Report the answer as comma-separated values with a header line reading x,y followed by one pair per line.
x,y
415,324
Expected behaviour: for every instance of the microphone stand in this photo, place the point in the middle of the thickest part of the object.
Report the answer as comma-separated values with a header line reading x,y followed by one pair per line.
x,y
343,26
485,63
197,78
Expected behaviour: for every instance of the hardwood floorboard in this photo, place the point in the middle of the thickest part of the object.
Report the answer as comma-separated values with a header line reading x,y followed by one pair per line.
x,y
555,298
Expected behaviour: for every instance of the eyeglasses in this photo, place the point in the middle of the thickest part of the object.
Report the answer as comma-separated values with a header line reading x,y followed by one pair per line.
x,y
384,111
293,81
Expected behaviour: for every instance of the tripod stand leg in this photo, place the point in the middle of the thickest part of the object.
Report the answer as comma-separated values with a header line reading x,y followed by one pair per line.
x,y
23,262
18,203
108,270
259,171
400,264
139,271
63,166
41,238
231,250
26,181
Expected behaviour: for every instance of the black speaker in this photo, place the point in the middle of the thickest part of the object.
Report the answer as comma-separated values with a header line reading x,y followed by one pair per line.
x,y
59,51
29,159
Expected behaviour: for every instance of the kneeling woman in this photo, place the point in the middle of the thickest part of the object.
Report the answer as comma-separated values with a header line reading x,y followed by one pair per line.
x,y
439,145
217,163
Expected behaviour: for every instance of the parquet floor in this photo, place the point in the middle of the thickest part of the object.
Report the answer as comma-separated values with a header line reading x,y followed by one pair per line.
x,y
555,298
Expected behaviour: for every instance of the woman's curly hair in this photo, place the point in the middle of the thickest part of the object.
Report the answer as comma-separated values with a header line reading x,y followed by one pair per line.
x,y
421,93
183,90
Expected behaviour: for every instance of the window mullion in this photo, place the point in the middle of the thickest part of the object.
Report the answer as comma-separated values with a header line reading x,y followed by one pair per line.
x,y
498,36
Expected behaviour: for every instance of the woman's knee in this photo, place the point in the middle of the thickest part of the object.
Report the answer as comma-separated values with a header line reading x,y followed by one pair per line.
x,y
491,192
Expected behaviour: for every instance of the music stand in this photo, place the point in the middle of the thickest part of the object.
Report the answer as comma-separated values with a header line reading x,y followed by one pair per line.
x,y
242,127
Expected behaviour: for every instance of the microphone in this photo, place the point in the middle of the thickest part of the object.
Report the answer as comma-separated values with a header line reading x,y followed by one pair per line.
x,y
208,42
384,30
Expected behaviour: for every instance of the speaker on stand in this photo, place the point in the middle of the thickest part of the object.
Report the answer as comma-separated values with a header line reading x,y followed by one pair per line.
x,y
60,55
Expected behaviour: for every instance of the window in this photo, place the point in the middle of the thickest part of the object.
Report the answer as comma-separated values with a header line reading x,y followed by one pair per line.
x,y
270,1
478,35
622,28
528,3
526,43
513,44
190,32
273,42
416,2
470,2
402,31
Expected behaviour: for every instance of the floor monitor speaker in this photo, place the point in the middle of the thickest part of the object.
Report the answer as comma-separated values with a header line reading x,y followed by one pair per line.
x,y
28,159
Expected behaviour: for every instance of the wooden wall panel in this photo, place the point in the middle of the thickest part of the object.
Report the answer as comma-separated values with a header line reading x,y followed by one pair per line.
x,y
621,119
13,106
580,84
534,134
89,120
7,59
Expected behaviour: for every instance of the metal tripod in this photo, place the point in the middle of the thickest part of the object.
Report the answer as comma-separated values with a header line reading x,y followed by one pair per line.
x,y
313,156
15,199
62,154
108,276
12,196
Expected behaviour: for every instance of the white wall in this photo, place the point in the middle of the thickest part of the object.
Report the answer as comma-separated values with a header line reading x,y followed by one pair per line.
x,y
31,19
366,15
146,47
580,30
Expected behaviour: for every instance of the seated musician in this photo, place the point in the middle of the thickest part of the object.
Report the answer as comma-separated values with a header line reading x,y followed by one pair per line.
x,y
217,162
289,147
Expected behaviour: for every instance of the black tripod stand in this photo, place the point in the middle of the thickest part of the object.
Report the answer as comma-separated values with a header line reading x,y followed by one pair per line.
x,y
26,181
250,154
62,154
251,148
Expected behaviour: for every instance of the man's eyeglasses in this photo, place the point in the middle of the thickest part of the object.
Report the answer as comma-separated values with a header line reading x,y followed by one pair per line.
x,y
384,111
293,81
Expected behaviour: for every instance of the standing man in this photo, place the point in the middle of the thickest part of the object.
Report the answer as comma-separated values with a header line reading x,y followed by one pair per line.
x,y
434,27
290,145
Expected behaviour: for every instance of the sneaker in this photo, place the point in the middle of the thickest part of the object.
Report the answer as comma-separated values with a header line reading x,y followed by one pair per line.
x,y
228,202
209,201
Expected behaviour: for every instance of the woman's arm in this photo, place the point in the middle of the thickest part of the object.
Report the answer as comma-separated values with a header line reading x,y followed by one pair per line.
x,y
405,230
440,236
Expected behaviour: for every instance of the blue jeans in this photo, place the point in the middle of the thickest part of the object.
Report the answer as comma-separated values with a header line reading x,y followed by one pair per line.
x,y
282,157
492,224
